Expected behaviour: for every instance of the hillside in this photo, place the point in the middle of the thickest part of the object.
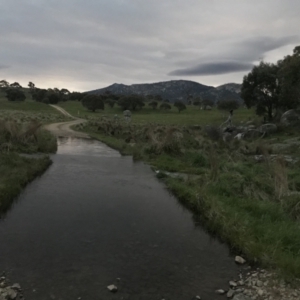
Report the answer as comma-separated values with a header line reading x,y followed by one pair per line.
x,y
232,87
172,90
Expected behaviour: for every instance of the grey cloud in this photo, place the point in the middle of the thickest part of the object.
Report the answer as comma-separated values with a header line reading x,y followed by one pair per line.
x,y
88,44
213,68
3,67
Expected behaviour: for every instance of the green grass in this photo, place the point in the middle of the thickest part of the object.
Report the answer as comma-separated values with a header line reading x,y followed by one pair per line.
x,y
190,116
15,173
26,106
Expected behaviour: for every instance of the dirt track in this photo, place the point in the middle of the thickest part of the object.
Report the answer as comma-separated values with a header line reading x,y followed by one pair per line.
x,y
63,129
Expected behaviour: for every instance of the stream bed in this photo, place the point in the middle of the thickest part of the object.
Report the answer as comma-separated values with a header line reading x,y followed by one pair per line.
x,y
96,218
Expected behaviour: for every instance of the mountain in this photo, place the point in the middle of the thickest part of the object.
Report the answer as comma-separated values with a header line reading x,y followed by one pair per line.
x,y
232,87
172,90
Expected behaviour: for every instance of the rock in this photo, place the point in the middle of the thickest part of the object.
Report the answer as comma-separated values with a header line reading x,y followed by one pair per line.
x,y
11,294
232,283
112,288
252,134
241,282
291,118
220,292
268,128
259,283
239,136
230,293
240,260
16,286
260,292
198,297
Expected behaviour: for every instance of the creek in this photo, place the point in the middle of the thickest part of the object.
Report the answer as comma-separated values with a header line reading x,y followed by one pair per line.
x,y
96,218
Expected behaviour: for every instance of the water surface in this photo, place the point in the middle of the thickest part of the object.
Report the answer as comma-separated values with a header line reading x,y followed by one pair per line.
x,y
95,218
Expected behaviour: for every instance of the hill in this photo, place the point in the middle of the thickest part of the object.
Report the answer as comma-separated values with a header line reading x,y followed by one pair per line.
x,y
172,90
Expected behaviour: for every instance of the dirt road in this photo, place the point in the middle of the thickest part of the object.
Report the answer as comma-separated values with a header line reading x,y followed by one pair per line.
x,y
63,129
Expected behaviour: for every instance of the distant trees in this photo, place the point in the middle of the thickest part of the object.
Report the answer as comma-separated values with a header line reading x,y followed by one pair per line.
x,y
153,104
165,106
180,106
4,84
207,102
93,102
131,102
230,104
15,85
13,94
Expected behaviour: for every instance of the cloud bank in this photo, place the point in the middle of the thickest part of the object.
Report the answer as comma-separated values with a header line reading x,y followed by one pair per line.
x,y
84,45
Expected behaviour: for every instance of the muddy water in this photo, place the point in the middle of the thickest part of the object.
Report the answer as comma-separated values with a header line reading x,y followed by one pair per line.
x,y
96,218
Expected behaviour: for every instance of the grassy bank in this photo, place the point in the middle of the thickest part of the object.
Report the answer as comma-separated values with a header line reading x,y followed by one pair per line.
x,y
254,206
16,171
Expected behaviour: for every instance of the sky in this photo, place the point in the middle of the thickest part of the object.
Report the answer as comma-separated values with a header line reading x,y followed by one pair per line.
x,y
85,45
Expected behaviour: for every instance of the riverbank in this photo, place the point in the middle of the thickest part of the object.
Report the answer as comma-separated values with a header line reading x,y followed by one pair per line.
x,y
251,205
17,138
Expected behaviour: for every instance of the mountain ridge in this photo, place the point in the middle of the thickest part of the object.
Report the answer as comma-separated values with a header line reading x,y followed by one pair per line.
x,y
175,90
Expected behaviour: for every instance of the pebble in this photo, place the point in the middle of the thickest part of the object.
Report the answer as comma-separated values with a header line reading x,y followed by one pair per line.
x,y
232,283
220,292
198,297
112,288
240,260
230,293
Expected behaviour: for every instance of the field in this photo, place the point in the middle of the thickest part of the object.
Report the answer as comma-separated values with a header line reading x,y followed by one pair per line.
x,y
25,111
191,116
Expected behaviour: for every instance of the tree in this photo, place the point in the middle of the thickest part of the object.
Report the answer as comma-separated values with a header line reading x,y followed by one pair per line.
x,y
207,102
260,88
93,102
76,96
14,94
230,104
289,78
153,104
197,103
131,102
39,95
15,85
110,102
4,84
180,106
165,106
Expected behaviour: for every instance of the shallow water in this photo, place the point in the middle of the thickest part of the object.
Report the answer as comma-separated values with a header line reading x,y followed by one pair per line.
x,y
95,218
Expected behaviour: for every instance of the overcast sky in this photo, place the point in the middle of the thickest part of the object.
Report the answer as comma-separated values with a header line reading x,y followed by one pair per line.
x,y
84,45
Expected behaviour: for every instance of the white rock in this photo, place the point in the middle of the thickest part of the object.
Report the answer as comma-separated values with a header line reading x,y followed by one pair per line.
x,y
260,292
232,283
16,286
11,294
220,292
198,297
112,288
240,260
230,293
259,283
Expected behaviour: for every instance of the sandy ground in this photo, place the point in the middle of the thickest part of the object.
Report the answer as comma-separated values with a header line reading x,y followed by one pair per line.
x,y
63,129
